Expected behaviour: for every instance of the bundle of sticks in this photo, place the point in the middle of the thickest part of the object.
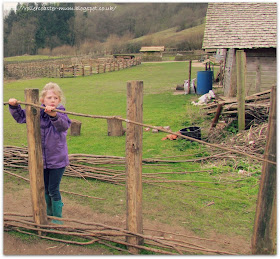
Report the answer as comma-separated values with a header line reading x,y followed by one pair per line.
x,y
110,169
104,168
158,242
256,106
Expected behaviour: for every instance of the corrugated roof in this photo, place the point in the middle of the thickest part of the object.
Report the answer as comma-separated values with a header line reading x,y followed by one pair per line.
x,y
152,48
240,25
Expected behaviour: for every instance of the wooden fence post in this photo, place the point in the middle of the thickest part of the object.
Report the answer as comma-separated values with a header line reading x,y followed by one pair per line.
x,y
264,234
241,84
35,157
134,134
74,70
190,75
62,71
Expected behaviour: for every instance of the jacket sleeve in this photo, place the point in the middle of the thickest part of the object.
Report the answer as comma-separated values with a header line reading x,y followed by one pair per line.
x,y
18,113
61,122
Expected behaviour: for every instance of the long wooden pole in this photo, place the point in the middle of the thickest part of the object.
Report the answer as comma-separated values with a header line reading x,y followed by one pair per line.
x,y
241,83
35,157
134,134
153,127
190,75
264,235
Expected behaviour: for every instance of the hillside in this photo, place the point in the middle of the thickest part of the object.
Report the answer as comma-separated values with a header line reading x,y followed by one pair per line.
x,y
171,37
110,27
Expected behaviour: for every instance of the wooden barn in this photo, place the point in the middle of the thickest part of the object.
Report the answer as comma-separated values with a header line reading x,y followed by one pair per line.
x,y
155,51
247,26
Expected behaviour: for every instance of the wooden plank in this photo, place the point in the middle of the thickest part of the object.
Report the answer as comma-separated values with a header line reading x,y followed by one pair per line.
x,y
134,135
264,234
241,84
35,157
258,78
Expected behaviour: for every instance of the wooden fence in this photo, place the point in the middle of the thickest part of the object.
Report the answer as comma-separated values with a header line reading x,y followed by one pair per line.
x,y
101,65
264,236
67,68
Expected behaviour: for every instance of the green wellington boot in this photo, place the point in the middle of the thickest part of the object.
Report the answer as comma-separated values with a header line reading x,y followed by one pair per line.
x,y
49,205
57,211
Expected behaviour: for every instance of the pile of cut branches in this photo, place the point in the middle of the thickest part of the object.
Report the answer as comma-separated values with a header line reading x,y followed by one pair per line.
x,y
114,237
256,107
252,141
109,169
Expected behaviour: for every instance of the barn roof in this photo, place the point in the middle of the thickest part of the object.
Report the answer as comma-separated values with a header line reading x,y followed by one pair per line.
x,y
240,25
152,48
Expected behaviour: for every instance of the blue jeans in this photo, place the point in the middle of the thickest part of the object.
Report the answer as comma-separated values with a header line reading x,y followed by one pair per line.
x,y
52,178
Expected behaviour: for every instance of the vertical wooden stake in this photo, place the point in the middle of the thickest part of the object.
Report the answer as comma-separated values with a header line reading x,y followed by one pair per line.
x,y
134,134
241,84
190,75
264,234
35,157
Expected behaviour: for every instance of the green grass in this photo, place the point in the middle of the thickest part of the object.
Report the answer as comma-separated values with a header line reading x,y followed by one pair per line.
x,y
176,204
29,58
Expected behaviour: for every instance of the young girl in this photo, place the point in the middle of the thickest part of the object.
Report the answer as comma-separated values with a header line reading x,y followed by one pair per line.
x,y
54,127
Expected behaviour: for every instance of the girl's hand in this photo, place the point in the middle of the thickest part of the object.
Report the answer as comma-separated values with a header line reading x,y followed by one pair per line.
x,y
13,102
48,110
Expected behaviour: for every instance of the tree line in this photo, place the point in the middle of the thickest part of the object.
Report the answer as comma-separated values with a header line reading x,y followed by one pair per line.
x,y
37,26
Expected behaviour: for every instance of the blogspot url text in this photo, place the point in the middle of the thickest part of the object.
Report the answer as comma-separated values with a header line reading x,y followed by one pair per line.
x,y
70,8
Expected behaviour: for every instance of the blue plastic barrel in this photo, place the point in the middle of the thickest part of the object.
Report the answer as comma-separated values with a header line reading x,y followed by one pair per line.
x,y
204,81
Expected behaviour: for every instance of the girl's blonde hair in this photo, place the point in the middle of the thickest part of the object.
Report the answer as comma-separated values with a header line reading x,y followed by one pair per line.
x,y
57,90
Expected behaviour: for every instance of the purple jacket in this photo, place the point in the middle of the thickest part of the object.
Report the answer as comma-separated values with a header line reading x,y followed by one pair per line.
x,y
53,135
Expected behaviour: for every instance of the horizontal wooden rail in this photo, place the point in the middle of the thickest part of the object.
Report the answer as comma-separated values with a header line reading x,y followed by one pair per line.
x,y
153,127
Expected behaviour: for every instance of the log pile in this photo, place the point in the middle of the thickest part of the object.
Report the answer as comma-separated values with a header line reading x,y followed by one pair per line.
x,y
256,106
157,242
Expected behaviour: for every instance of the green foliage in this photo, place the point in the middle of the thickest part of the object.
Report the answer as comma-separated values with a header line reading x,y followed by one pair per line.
x,y
37,25
233,127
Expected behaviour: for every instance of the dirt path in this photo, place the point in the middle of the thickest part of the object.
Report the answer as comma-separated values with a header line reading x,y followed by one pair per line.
x,y
20,202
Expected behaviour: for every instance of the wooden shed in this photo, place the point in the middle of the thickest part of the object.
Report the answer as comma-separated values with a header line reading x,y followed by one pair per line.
x,y
155,51
247,26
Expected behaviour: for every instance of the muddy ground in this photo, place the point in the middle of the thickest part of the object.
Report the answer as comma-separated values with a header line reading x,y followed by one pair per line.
x,y
20,202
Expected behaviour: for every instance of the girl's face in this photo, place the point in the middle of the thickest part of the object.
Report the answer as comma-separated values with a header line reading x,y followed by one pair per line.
x,y
51,99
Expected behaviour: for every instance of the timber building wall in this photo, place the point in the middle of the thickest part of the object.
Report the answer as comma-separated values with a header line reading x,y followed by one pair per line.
x,y
261,71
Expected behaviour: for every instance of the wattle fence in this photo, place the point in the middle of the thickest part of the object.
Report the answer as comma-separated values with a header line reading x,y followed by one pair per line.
x,y
66,67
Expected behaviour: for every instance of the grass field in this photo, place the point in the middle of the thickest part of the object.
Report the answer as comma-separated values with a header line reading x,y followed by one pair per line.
x,y
30,58
184,204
